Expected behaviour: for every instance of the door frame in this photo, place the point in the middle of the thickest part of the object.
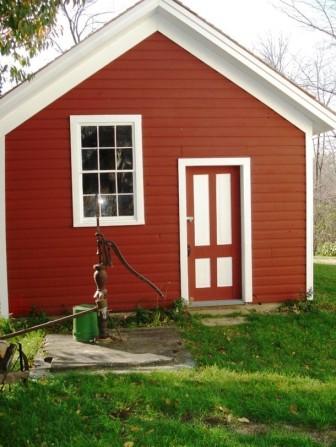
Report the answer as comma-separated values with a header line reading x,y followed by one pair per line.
x,y
246,225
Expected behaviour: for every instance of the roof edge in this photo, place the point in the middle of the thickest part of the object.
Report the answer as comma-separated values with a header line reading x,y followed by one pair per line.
x,y
133,26
254,63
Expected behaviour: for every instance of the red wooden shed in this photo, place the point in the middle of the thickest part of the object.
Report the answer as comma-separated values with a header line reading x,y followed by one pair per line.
x,y
202,156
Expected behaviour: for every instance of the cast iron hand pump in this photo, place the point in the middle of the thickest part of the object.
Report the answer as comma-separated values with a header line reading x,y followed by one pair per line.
x,y
104,248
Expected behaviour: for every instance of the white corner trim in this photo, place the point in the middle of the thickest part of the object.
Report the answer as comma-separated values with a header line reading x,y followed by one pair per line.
x,y
76,172
4,308
309,215
246,219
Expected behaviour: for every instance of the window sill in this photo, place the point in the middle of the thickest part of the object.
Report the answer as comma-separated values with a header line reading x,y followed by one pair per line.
x,y
92,222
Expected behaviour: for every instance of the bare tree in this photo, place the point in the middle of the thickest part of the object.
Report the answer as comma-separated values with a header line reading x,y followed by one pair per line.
x,y
318,15
275,52
77,22
318,77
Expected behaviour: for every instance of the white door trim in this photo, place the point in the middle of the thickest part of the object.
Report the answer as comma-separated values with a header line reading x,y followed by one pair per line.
x,y
246,222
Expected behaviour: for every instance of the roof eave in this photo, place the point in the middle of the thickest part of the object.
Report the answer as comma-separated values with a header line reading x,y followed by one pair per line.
x,y
188,30
322,119
78,63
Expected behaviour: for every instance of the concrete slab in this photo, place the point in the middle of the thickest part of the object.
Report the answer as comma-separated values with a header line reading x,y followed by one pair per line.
x,y
223,321
243,309
138,349
67,353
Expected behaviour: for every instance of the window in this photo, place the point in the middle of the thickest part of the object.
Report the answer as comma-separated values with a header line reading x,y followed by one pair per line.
x,y
106,155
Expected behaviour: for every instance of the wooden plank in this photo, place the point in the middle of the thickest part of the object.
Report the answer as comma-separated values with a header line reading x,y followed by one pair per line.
x,y
232,106
188,110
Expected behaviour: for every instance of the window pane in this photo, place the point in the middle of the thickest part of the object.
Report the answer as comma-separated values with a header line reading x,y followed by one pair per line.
x,y
89,136
125,182
126,205
106,136
89,204
124,136
89,160
107,183
90,183
106,159
124,159
108,206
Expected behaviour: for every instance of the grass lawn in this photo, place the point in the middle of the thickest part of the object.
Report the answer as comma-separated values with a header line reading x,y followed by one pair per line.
x,y
30,342
270,382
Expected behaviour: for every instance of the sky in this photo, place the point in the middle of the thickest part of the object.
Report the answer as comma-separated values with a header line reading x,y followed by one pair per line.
x,y
246,21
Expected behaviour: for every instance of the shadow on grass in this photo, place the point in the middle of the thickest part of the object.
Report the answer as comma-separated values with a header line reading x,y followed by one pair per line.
x,y
166,409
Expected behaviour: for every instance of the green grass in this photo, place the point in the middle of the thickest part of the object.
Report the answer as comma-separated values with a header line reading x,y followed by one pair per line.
x,y
31,342
325,286
164,409
299,345
299,341
278,371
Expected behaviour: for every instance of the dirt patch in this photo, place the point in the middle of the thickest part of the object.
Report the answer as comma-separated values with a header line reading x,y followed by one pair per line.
x,y
160,341
244,426
325,437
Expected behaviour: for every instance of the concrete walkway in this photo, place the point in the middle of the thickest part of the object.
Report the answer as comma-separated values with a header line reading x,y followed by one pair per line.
x,y
324,260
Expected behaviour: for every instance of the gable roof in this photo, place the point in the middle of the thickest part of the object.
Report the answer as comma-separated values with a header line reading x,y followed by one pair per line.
x,y
186,29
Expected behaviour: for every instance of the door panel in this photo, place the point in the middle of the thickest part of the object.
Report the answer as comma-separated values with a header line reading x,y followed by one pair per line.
x,y
214,233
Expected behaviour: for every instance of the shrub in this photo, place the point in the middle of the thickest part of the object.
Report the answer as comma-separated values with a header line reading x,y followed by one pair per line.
x,y
324,224
152,317
327,249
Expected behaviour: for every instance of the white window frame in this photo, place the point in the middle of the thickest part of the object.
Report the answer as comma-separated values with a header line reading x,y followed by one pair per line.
x,y
76,121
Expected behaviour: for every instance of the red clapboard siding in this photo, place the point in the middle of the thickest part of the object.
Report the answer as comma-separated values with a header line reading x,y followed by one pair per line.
x,y
188,110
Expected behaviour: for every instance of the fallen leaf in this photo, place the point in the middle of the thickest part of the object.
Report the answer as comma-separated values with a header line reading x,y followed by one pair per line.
x,y
129,444
187,417
229,418
122,413
293,409
243,420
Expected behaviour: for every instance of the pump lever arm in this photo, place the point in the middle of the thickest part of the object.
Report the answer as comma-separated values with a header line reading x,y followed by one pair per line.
x,y
143,278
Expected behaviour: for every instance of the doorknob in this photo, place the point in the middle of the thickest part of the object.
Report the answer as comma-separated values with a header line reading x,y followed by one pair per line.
x,y
190,218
